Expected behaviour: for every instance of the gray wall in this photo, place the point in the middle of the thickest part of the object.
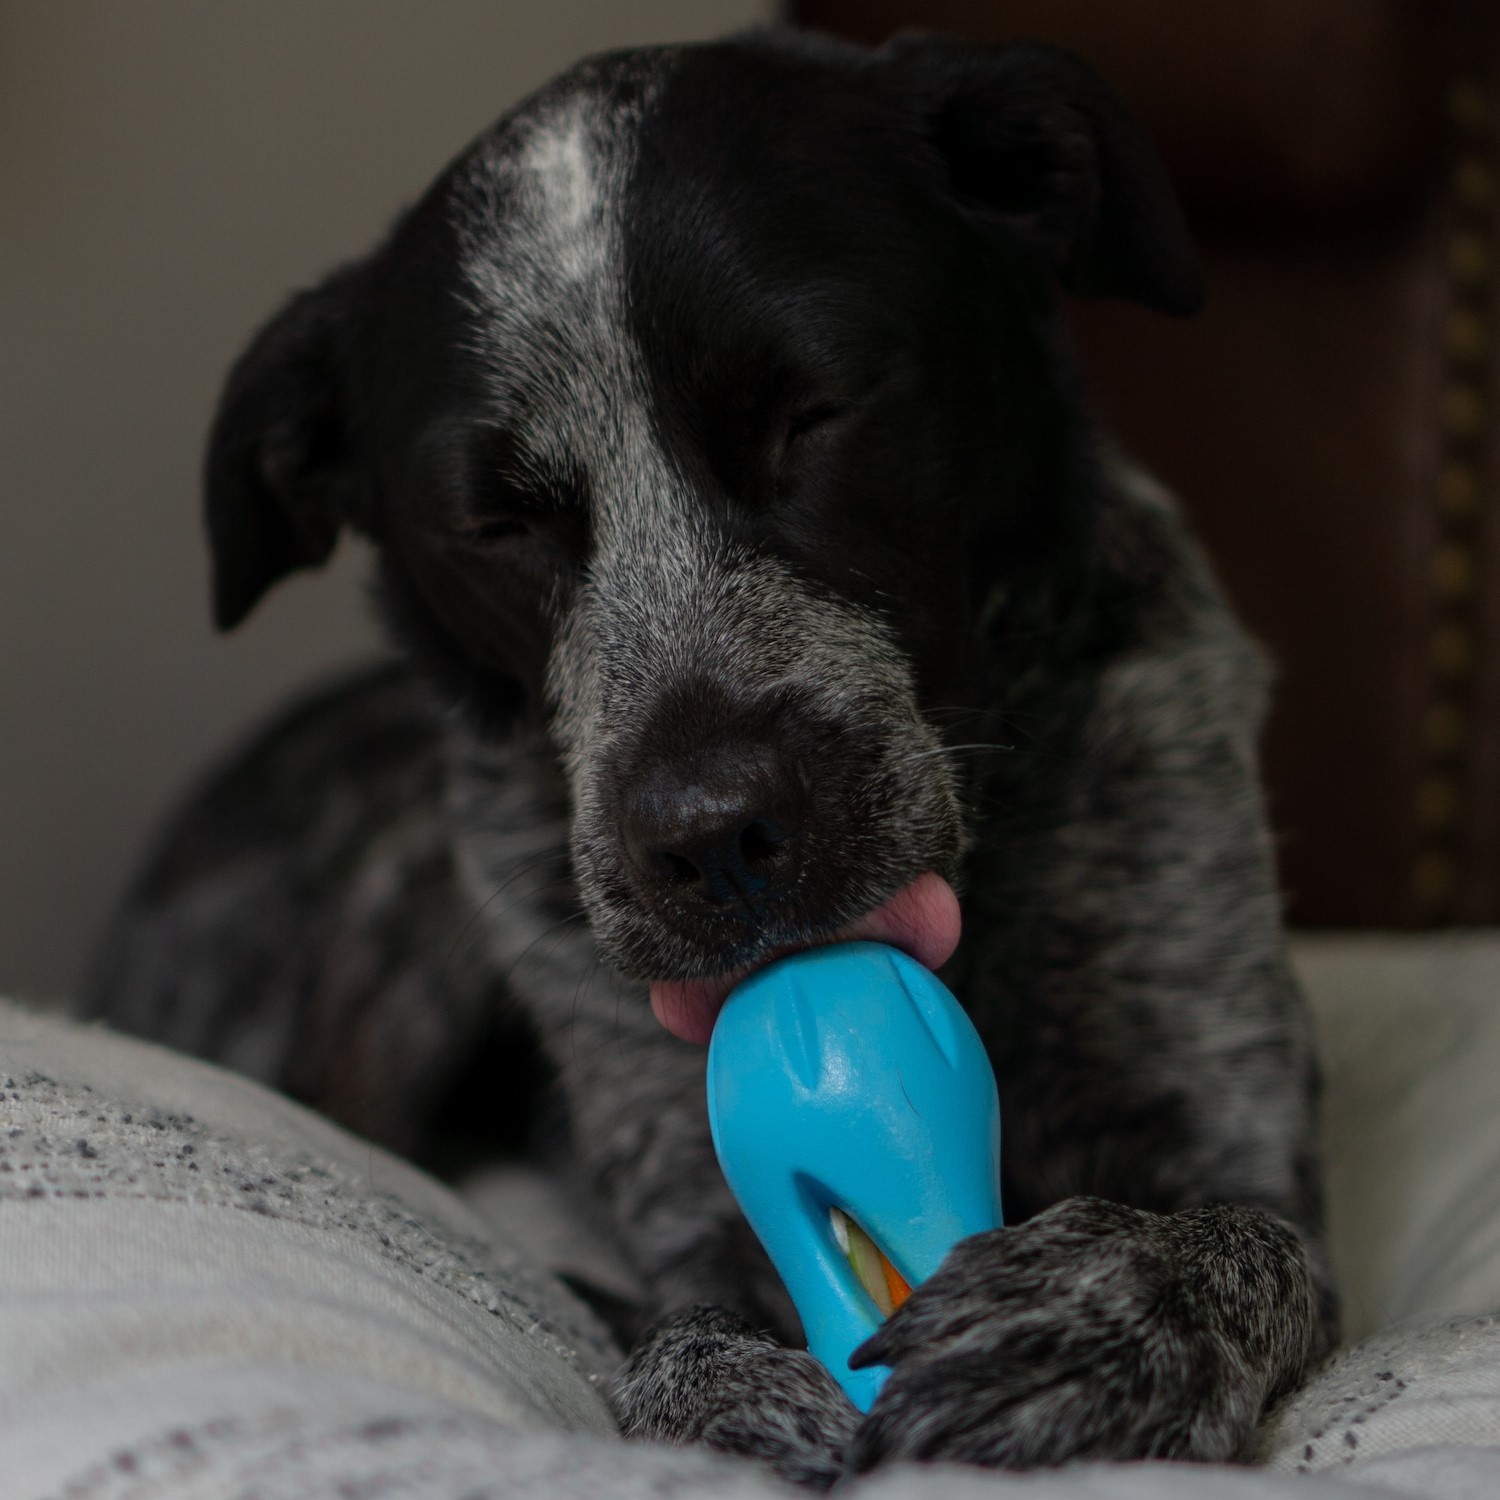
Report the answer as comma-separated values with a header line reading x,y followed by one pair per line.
x,y
168,173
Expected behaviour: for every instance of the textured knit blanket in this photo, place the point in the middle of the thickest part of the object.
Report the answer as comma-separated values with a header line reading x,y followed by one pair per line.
x,y
208,1292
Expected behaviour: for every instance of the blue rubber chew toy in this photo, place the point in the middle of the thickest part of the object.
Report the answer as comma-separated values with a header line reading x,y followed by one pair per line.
x,y
856,1120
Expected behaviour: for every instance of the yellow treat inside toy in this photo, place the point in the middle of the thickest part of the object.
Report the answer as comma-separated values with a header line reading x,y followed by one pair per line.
x,y
885,1285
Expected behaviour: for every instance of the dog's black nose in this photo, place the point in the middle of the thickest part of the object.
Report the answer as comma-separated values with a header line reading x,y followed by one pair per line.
x,y
723,826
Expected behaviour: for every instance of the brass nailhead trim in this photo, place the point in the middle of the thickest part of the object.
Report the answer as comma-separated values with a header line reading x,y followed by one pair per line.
x,y
1452,651
1467,106
1458,489
1469,259
1437,803
1463,409
1444,729
1433,881
1465,335
1466,417
1452,572
1474,183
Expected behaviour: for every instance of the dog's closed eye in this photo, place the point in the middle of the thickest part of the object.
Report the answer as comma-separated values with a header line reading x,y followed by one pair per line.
x,y
803,437
504,499
496,529
524,530
809,420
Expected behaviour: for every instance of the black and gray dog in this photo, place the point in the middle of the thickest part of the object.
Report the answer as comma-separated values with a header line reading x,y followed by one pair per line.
x,y
764,579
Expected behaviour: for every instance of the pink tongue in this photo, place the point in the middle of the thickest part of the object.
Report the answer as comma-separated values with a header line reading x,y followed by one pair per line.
x,y
921,920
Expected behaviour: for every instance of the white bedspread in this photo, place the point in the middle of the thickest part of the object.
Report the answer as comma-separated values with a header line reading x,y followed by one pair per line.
x,y
207,1292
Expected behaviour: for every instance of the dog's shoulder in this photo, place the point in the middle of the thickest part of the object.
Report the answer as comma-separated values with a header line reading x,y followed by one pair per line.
x,y
327,769
303,904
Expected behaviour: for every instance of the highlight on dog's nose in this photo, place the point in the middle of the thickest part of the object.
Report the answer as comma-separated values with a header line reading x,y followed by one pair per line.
x,y
722,826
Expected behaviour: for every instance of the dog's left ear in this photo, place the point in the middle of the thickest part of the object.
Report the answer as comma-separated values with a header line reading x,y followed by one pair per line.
x,y
279,476
1037,144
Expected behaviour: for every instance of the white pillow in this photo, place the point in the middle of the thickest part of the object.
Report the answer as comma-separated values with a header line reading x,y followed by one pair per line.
x,y
1409,1034
166,1225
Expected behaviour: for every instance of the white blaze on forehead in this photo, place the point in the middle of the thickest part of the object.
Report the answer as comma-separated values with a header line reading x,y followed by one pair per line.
x,y
557,156
562,192
536,199
542,231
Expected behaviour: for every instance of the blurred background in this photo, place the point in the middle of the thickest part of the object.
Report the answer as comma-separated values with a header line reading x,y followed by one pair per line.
x,y
1328,419
170,170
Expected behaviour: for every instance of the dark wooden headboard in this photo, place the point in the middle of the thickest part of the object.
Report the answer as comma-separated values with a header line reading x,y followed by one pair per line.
x,y
1328,419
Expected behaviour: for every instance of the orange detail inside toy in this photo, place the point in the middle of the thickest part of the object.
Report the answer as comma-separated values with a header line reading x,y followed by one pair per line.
x,y
884,1284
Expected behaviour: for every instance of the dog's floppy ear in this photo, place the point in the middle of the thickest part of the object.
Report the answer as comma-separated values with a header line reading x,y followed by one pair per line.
x,y
279,479
1037,143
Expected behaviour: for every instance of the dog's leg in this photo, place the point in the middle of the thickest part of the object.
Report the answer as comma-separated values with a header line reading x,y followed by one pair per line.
x,y
713,1370
1096,1331
708,1376
1124,961
1176,1285
300,920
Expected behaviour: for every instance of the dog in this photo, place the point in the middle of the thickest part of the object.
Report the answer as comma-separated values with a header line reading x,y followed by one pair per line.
x,y
763,579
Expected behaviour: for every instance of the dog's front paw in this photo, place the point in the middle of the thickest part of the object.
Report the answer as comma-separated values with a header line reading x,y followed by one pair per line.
x,y
707,1377
1079,1334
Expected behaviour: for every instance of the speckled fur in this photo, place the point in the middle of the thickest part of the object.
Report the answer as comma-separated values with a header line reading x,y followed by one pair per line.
x,y
601,541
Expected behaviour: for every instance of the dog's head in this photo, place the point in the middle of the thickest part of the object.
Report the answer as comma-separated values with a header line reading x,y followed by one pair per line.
x,y
706,406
